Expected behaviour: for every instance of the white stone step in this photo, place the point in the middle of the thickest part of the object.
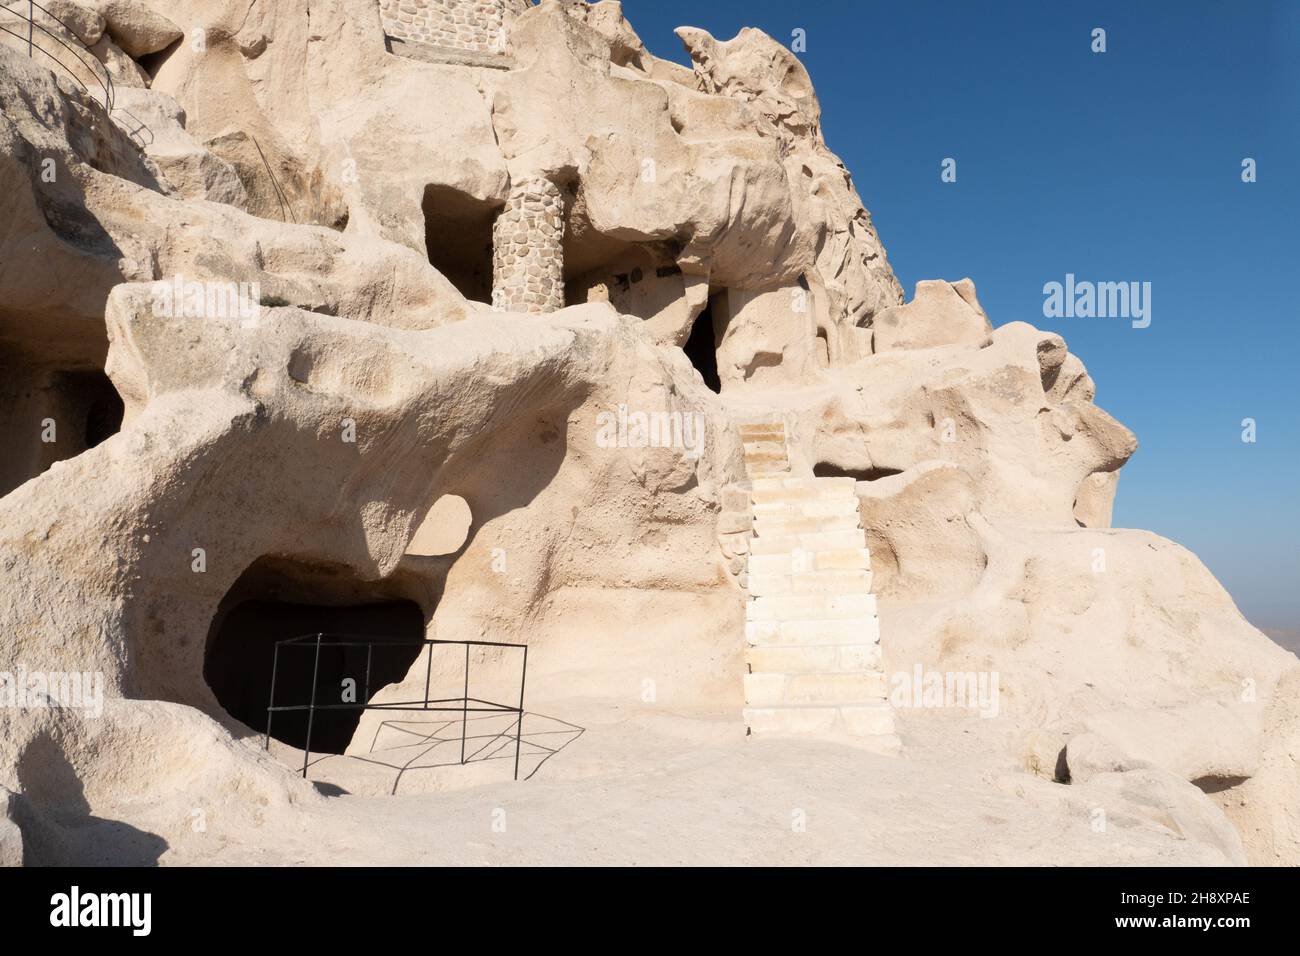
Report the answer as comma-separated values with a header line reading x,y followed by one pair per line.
x,y
845,540
781,495
811,658
810,582
778,485
783,525
811,607
827,486
769,564
796,562
766,585
772,688
858,630
873,719
842,560
832,582
808,508
765,451
844,486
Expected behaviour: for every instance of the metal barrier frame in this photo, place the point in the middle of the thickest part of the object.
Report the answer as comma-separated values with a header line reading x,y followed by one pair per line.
x,y
32,46
369,643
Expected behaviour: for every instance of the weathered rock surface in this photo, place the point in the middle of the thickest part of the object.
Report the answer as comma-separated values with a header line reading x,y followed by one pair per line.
x,y
71,778
1202,743
136,26
940,313
1264,807
157,122
11,836
83,20
710,262
1165,800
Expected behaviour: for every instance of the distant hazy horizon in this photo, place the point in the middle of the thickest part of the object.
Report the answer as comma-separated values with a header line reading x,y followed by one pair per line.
x,y
1117,166
1290,639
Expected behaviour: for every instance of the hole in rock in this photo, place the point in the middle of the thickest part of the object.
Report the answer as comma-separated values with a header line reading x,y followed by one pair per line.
x,y
151,63
823,349
104,409
637,278
702,344
1062,774
1215,783
458,239
274,601
825,469
49,415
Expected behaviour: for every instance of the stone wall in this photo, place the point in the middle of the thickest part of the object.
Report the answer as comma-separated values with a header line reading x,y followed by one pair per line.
x,y
528,251
476,25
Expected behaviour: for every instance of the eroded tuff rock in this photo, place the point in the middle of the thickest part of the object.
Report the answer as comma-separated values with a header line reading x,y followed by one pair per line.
x,y
137,27
708,260
67,778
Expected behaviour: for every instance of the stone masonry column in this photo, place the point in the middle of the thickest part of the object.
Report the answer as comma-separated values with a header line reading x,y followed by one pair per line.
x,y
528,250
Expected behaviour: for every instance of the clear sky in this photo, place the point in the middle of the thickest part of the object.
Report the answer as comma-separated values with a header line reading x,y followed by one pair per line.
x,y
1116,166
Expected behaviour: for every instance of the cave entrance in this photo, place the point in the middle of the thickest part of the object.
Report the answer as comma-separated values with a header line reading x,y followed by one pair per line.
x,y
49,415
274,601
702,344
97,404
458,239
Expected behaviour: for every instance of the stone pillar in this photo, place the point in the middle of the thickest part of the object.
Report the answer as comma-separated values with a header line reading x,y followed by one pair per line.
x,y
528,250
475,25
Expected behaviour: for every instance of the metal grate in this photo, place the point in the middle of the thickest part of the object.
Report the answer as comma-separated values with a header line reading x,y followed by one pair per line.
x,y
465,704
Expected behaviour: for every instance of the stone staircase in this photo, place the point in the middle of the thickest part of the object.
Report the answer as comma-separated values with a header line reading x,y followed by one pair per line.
x,y
813,665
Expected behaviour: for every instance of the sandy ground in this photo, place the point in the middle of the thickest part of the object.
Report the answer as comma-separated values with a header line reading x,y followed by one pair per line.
x,y
643,787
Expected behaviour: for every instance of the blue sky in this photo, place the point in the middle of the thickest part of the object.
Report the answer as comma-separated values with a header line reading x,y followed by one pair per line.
x,y
1118,166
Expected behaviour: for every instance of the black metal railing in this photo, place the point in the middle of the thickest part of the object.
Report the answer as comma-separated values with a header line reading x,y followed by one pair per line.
x,y
26,32
465,704
136,129
280,195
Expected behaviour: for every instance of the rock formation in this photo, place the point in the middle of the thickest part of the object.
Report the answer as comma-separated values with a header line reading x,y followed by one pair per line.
x,y
268,301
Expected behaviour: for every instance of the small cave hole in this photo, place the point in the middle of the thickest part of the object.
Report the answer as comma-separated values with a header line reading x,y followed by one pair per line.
x,y
49,415
826,469
823,349
1217,783
702,344
87,402
152,63
104,411
273,602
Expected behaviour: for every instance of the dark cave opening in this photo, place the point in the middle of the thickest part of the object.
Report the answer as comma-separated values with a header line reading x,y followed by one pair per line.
x,y
458,239
103,407
50,414
825,469
151,63
270,605
702,346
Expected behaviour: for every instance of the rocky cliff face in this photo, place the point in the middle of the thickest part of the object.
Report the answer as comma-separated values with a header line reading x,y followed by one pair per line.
x,y
259,318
